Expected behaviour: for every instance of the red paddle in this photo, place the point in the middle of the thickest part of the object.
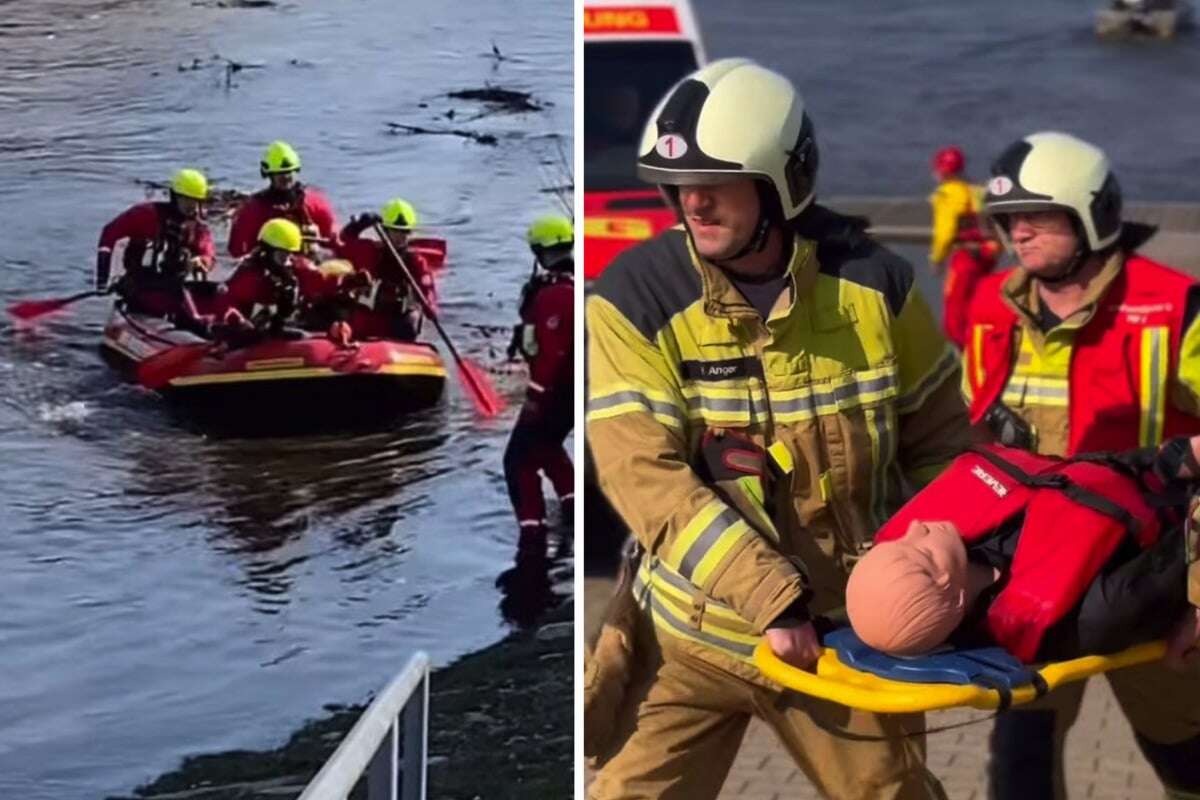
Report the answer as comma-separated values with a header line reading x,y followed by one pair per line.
x,y
487,401
161,368
27,310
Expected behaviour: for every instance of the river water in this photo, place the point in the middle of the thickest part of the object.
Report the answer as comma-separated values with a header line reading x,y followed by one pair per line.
x,y
167,593
889,83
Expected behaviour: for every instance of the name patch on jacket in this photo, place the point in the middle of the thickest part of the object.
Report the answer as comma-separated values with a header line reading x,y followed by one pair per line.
x,y
728,369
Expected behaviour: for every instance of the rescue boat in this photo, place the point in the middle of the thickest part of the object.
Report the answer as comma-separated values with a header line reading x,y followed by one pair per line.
x,y
1161,18
299,383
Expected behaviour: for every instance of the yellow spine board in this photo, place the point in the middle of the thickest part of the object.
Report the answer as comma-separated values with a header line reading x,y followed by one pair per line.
x,y
839,683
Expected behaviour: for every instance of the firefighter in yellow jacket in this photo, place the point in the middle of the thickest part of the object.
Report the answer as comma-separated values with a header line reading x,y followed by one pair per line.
x,y
955,206
763,380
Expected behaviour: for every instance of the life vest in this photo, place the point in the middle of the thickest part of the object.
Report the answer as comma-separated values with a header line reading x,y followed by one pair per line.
x,y
170,249
1122,361
1076,514
290,204
540,280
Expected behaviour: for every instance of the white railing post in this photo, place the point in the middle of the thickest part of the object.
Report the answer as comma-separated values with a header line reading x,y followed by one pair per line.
x,y
415,727
388,744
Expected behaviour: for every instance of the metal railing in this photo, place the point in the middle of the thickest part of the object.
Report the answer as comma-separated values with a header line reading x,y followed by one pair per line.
x,y
388,744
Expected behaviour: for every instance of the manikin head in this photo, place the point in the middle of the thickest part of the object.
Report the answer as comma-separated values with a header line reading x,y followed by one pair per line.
x,y
905,597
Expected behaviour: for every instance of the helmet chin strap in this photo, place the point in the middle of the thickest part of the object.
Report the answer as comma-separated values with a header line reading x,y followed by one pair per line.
x,y
768,212
755,244
1069,271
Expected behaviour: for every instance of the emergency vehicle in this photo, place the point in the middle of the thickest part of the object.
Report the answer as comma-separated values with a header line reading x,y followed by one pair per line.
x,y
632,54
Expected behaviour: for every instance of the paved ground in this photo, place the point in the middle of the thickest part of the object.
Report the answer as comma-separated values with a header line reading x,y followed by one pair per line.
x,y
1103,762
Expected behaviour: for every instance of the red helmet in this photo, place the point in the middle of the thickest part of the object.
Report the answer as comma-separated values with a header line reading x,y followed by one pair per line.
x,y
949,161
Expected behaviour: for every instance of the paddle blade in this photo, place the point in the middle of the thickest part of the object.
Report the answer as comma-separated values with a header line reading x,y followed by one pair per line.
x,y
483,395
28,310
159,370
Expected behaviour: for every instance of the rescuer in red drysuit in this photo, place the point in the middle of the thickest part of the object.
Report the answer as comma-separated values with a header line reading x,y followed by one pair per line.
x,y
275,285
167,242
395,312
286,197
546,339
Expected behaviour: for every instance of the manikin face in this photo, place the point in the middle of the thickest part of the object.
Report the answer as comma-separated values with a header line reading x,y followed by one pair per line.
x,y
721,217
1044,241
906,596
939,548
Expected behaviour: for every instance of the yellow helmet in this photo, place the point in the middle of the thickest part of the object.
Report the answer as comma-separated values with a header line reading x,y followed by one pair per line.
x,y
550,230
398,213
279,158
190,183
282,234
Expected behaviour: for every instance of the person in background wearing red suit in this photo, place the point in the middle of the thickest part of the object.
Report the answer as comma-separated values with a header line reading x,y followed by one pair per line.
x,y
958,234
395,312
1087,346
545,338
286,197
274,285
167,242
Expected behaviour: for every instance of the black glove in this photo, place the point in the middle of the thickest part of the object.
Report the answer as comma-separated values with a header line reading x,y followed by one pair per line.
x,y
1174,462
514,345
103,269
360,223
1008,428
795,614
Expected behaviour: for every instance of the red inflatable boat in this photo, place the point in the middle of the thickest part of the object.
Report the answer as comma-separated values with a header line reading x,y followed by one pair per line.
x,y
296,383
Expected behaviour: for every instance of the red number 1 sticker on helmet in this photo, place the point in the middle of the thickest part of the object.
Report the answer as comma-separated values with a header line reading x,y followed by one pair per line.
x,y
671,145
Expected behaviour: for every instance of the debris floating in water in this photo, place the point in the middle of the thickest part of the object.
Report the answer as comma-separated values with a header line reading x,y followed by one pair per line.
x,y
235,3
397,128
508,100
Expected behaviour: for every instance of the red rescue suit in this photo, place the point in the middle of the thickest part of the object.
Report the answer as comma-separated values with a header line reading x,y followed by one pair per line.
x,y
1076,515
303,205
1110,360
395,314
284,293
172,240
968,264
548,415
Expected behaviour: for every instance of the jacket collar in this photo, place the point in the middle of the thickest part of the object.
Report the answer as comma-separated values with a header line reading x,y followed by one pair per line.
x,y
722,299
1019,294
